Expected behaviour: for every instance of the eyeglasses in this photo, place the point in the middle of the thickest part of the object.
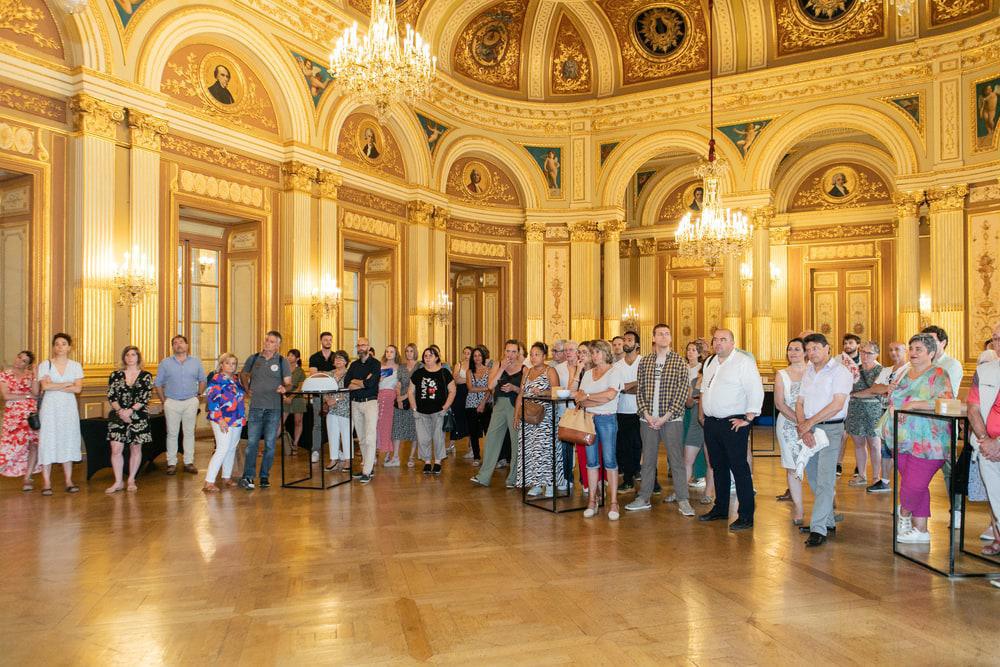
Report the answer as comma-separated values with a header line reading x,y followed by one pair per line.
x,y
867,352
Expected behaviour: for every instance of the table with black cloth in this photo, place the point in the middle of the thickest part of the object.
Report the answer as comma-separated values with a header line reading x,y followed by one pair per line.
x,y
95,441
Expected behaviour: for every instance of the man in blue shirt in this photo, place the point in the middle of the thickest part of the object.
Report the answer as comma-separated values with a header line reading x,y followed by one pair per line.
x,y
180,380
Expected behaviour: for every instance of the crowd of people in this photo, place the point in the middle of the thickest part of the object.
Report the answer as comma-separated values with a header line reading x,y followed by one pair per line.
x,y
701,406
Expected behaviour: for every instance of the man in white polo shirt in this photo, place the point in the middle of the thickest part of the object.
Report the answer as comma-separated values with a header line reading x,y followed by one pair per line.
x,y
731,397
822,404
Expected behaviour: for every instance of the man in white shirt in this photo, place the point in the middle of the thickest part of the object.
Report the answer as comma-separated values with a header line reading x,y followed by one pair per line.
x,y
629,446
951,365
562,370
822,403
732,393
558,352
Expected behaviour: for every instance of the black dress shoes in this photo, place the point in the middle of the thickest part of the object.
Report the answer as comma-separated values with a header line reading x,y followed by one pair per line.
x,y
741,524
713,516
805,529
816,540
787,495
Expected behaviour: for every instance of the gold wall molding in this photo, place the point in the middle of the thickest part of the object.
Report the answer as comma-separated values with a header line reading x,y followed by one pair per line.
x,y
499,62
146,130
569,57
28,102
951,198
879,230
557,233
369,225
299,177
17,139
221,189
15,201
779,235
678,262
797,32
486,229
840,251
245,240
948,11
984,193
219,156
349,195
97,117
478,248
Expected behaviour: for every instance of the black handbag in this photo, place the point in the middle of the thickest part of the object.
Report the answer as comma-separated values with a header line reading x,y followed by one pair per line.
x,y
449,422
34,421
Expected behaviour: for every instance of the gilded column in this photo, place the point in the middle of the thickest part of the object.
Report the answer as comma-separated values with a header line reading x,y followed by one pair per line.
x,y
418,252
328,261
296,225
947,223
649,282
732,296
534,235
761,326
612,277
778,238
145,132
584,263
93,206
907,263
438,273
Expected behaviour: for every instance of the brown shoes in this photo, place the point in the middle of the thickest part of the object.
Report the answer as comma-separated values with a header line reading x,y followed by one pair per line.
x,y
189,467
171,470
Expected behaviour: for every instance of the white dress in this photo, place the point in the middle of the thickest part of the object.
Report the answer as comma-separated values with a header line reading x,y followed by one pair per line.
x,y
59,438
788,436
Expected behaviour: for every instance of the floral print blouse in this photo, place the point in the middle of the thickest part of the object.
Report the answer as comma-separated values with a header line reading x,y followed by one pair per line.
x,y
921,437
225,402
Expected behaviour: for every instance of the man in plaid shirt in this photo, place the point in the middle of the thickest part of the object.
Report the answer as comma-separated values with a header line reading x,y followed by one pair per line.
x,y
662,391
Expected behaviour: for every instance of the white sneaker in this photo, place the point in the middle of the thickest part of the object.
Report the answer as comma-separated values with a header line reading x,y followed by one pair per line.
x,y
905,525
589,513
536,490
315,457
467,455
561,488
684,507
392,463
549,492
914,536
613,515
987,535
697,483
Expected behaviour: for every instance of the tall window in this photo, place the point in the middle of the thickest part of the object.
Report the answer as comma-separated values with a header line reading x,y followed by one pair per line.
x,y
352,310
199,298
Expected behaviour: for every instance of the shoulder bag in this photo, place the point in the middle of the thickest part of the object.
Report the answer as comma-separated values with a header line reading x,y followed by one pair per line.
x,y
576,426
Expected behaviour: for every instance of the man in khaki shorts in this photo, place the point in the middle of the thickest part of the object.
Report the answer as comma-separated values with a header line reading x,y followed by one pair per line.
x,y
180,380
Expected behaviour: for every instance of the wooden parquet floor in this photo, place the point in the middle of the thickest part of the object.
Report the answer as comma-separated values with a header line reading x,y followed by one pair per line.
x,y
414,568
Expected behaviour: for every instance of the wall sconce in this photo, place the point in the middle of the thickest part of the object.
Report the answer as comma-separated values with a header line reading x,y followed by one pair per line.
x,y
775,273
327,298
133,278
630,318
205,264
441,308
746,273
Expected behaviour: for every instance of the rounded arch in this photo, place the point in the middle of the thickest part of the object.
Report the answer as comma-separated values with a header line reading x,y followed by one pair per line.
x,y
600,37
520,169
162,34
88,40
442,21
627,159
784,134
661,189
403,125
870,156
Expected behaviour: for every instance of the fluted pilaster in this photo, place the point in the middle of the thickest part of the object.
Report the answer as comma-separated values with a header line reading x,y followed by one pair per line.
x,y
329,259
296,225
947,222
778,238
649,285
761,325
584,260
418,282
611,277
731,296
534,235
907,263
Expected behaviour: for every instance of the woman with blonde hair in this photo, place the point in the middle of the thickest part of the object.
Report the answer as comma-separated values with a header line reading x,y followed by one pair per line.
x,y
598,395
388,396
129,389
225,405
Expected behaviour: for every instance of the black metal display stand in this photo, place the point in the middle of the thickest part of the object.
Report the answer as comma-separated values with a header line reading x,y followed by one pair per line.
x,y
315,399
956,530
542,502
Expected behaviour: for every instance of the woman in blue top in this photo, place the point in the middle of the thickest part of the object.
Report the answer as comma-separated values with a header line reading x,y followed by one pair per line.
x,y
224,402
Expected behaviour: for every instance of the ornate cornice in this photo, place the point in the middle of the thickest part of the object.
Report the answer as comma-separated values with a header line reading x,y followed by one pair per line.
x,y
220,157
843,232
299,177
96,117
483,229
534,231
951,198
146,130
647,247
985,193
328,182
32,103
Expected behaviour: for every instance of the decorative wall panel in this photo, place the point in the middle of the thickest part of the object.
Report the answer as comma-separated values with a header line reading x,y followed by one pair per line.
x,y
489,49
28,26
983,287
475,180
805,25
556,292
571,69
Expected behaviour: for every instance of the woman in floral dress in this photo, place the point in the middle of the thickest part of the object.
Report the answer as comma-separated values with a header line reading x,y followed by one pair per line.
x,y
18,441
538,450
923,442
128,392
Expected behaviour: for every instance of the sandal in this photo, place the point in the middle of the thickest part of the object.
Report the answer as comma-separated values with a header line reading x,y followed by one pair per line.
x,y
210,488
706,500
992,549
115,488
72,489
132,488
47,492
27,488
614,514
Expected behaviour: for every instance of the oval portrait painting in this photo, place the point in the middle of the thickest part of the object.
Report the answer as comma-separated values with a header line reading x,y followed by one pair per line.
x,y
476,179
222,81
839,184
370,140
693,197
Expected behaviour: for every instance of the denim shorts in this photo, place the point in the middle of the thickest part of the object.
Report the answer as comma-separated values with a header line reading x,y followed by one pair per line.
x,y
607,435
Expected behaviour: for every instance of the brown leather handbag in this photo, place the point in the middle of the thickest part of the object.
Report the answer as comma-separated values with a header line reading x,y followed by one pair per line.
x,y
534,412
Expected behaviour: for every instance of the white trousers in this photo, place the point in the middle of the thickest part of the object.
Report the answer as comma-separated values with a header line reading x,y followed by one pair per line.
x,y
180,414
338,433
365,425
225,452
990,471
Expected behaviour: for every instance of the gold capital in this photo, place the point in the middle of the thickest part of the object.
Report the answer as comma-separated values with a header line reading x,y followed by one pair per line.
x,y
96,117
779,235
583,231
328,184
647,247
146,129
611,229
625,247
534,231
951,198
439,218
763,217
420,212
298,177
907,204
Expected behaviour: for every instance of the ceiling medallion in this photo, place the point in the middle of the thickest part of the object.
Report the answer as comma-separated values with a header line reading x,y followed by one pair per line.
x,y
827,14
659,32
491,39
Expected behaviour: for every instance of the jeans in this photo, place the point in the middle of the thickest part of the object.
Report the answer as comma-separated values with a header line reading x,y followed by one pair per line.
x,y
430,436
727,450
607,434
225,452
261,421
821,472
670,433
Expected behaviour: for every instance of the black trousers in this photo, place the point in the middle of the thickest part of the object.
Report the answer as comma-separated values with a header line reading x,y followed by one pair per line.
x,y
478,422
728,450
628,448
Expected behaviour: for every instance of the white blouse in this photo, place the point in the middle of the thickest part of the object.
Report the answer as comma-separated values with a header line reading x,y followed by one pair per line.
x,y
610,380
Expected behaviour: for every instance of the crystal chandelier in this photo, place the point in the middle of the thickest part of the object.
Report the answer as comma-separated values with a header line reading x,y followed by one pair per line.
x,y
441,308
715,231
630,318
134,278
378,68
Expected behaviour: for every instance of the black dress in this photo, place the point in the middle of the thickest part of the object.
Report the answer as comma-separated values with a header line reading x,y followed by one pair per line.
x,y
136,432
